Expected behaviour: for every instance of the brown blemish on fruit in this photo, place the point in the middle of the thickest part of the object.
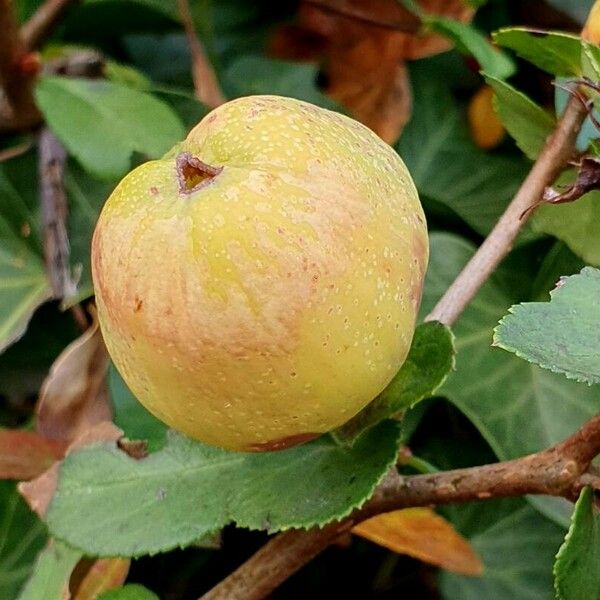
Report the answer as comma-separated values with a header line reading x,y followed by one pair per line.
x,y
138,304
420,252
96,257
193,174
154,190
283,443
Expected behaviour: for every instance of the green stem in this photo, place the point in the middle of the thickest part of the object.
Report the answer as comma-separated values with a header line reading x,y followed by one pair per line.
x,y
420,465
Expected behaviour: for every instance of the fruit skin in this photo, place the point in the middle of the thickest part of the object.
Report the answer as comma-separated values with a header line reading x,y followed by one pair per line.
x,y
277,300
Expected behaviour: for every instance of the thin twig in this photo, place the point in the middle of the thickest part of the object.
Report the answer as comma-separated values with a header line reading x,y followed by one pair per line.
x,y
43,22
206,84
17,107
558,150
558,471
15,151
52,159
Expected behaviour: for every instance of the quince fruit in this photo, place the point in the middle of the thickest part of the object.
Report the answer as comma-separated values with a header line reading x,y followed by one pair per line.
x,y
259,285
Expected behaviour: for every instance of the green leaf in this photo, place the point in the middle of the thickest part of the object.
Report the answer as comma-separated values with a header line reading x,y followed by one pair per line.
x,y
576,572
126,75
25,364
102,123
168,8
437,148
528,124
562,335
164,58
131,591
23,282
552,51
261,75
184,103
132,417
577,224
51,573
430,359
22,536
590,61
470,41
110,504
516,545
496,390
558,262
590,64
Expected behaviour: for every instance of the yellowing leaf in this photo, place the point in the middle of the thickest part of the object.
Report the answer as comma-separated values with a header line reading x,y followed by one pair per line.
x,y
422,534
591,31
487,130
104,574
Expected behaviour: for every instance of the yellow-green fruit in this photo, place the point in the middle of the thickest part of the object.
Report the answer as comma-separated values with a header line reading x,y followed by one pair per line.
x,y
259,285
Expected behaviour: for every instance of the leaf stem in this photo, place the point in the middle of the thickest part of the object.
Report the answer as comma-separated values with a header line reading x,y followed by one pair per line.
x,y
420,465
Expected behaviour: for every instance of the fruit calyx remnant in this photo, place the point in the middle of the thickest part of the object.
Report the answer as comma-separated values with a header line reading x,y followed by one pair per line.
x,y
193,174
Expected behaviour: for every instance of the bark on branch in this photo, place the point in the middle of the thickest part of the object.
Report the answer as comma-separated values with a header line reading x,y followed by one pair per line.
x,y
53,200
17,106
558,471
558,150
44,21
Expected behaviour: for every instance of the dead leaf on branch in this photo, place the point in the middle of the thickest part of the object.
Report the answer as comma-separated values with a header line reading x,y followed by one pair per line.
x,y
39,491
364,46
26,454
90,579
588,179
74,396
422,534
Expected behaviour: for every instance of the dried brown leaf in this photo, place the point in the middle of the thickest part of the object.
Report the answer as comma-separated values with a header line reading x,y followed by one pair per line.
x,y
364,45
102,575
137,449
26,454
422,534
74,396
39,491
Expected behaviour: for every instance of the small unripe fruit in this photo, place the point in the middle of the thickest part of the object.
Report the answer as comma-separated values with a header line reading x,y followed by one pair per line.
x,y
259,285
487,129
